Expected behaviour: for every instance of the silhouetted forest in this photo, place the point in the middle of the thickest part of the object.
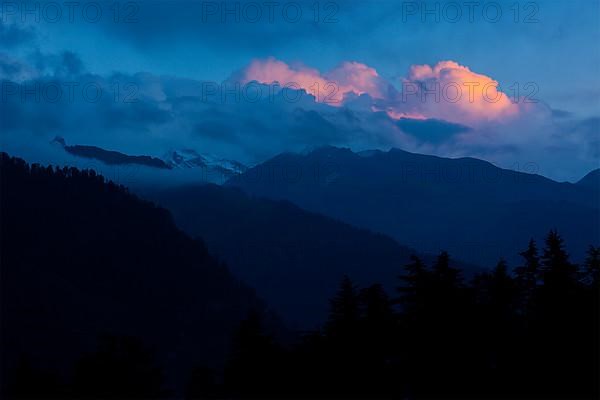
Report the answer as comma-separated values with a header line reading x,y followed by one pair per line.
x,y
528,334
81,260
129,307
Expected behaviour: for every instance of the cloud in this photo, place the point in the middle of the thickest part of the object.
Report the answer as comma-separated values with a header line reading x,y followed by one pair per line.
x,y
333,87
64,64
169,113
452,92
13,35
15,70
557,113
354,77
445,91
431,130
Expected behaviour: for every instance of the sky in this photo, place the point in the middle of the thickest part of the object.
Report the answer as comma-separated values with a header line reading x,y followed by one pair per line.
x,y
516,83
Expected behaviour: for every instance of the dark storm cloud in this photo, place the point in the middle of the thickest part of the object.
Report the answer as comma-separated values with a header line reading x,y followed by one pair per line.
x,y
431,130
14,69
54,95
13,35
561,113
64,64
218,130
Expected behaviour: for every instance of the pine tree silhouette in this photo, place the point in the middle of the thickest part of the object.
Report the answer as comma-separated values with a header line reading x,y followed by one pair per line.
x,y
204,384
556,269
29,382
561,323
503,292
378,320
527,275
377,307
256,363
378,329
592,266
413,290
122,368
444,275
344,312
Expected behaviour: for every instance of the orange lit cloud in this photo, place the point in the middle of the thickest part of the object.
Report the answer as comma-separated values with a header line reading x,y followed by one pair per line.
x,y
453,92
331,88
394,114
447,90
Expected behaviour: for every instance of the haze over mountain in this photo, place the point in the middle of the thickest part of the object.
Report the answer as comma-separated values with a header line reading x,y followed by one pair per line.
x,y
476,211
284,251
172,168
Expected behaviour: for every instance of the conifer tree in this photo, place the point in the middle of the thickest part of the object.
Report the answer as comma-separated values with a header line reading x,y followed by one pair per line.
x,y
526,276
592,266
344,313
413,290
444,274
557,271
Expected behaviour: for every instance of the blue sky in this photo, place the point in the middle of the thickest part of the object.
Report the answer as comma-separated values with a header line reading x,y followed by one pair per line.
x,y
553,44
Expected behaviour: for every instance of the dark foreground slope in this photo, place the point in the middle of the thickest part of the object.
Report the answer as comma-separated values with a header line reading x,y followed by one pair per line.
x,y
81,258
293,258
473,209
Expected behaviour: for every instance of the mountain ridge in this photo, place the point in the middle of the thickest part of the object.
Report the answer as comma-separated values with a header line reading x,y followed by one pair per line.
x,y
591,179
283,250
470,207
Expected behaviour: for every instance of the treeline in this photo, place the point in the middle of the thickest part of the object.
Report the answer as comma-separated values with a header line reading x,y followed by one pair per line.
x,y
529,333
80,257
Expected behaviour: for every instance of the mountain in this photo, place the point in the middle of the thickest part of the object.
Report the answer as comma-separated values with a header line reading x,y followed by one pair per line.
x,y
109,157
591,180
82,258
473,209
294,258
215,169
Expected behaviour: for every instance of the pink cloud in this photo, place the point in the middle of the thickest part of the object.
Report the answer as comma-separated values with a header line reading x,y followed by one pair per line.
x,y
331,88
358,78
453,92
446,90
